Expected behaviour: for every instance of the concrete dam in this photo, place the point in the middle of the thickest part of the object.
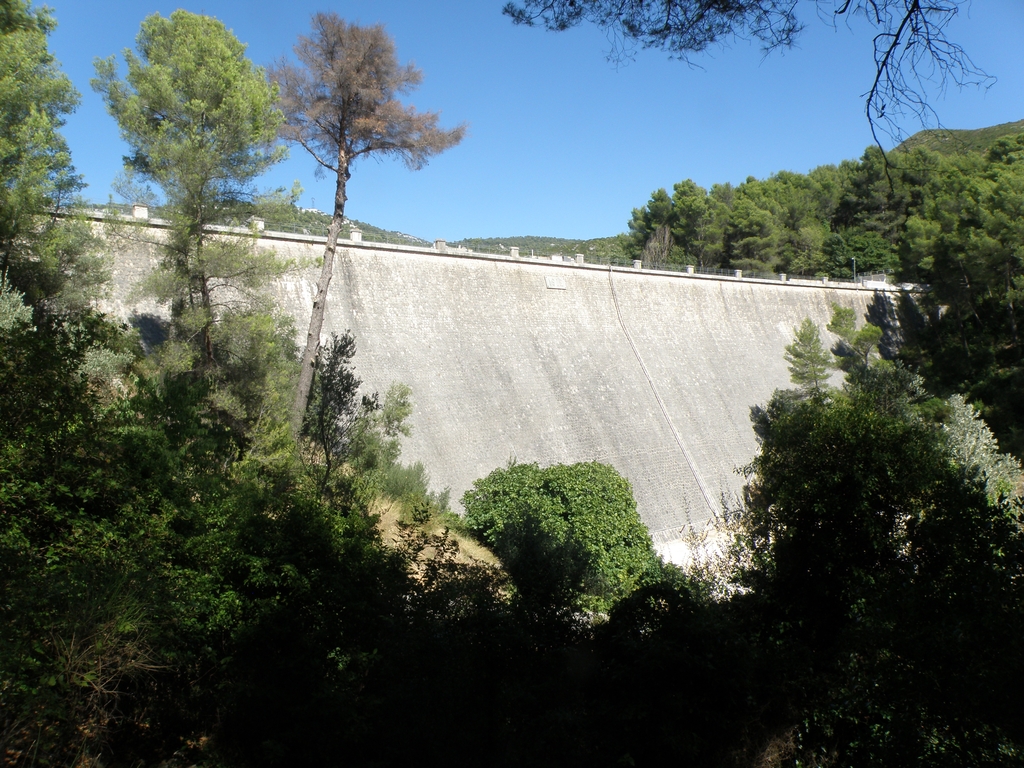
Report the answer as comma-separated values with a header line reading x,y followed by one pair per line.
x,y
556,361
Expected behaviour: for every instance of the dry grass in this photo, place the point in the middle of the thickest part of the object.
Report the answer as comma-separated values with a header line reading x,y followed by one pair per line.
x,y
395,524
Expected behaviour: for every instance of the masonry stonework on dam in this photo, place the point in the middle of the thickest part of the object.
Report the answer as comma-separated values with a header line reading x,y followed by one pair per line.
x,y
546,361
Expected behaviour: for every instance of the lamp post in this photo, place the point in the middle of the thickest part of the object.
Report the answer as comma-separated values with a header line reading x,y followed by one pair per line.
x,y
855,269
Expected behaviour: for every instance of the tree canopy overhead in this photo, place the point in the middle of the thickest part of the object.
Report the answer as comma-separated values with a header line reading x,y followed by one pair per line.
x,y
910,43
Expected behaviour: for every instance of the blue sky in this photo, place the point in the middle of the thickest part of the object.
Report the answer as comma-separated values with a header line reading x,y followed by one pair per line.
x,y
561,142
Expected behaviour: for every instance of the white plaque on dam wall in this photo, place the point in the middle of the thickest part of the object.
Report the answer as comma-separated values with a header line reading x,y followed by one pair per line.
x,y
524,360
555,282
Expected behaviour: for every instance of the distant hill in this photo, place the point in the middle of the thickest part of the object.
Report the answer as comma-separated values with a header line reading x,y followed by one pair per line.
x,y
314,222
950,142
597,249
309,221
371,232
292,219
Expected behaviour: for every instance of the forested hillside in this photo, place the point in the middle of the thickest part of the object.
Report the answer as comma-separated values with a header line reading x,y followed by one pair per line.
x,y
951,222
954,141
188,577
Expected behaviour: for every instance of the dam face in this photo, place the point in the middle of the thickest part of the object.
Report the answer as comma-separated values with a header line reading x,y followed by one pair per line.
x,y
654,373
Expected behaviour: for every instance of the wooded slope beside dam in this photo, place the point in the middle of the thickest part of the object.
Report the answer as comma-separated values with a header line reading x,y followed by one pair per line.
x,y
541,361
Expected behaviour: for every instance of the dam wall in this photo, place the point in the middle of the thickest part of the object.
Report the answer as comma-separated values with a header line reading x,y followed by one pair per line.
x,y
543,361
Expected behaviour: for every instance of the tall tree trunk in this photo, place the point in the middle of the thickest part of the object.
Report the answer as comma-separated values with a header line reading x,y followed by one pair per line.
x,y
1012,310
963,333
207,301
208,326
316,319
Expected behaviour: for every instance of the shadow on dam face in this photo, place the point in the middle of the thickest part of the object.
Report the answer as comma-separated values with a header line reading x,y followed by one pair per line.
x,y
536,361
152,329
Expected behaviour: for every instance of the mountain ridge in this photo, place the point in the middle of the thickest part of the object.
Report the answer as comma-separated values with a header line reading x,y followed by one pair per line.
x,y
950,141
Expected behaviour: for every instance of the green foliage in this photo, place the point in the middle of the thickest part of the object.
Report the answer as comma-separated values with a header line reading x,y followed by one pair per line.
x,y
873,253
215,132
67,271
651,229
36,175
856,348
868,252
816,223
809,480
809,363
863,527
174,588
780,224
679,229
566,533
214,135
843,323
48,258
599,250
974,449
166,594
406,481
890,386
216,119
596,250
333,408
78,602
950,221
156,587
14,314
964,238
361,433
377,442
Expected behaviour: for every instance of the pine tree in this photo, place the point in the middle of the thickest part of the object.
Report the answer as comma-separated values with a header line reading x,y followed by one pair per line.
x,y
808,360
201,122
342,104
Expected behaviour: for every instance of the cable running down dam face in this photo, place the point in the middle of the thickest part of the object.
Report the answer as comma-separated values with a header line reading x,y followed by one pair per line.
x,y
556,362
